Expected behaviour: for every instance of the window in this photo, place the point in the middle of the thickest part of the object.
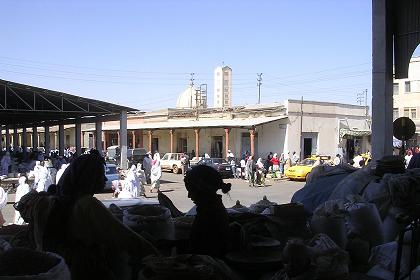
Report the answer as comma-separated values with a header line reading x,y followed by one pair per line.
x,y
396,88
406,112
413,113
395,114
407,86
410,113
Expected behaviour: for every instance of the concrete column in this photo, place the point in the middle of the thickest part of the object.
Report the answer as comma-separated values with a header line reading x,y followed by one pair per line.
x,y
251,136
227,130
83,139
150,133
47,143
98,136
382,78
31,136
55,140
118,138
78,138
105,139
197,142
61,139
171,145
15,138
133,139
34,137
24,140
140,133
123,139
7,138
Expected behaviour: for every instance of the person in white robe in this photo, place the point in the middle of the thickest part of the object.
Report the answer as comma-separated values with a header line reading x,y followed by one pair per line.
x,y
22,189
156,172
133,181
5,162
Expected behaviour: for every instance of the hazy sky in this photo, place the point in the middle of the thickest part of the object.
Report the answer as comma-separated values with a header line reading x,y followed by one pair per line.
x,y
141,53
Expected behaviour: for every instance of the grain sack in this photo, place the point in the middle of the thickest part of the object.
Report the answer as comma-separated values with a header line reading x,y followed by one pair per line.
x,y
329,218
22,263
383,260
183,226
364,220
154,219
390,227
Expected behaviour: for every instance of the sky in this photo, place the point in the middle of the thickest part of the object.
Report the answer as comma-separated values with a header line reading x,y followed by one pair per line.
x,y
141,53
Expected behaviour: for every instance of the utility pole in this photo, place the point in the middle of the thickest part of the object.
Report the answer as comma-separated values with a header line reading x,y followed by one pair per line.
x,y
367,113
192,87
301,129
259,80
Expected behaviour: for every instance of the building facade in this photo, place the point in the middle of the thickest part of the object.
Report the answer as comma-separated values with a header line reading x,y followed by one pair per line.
x,y
323,128
222,87
406,93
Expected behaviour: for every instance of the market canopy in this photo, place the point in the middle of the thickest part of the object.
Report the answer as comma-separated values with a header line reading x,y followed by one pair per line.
x,y
24,106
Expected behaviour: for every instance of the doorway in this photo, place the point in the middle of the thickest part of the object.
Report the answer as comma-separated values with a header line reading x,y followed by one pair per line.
x,y
217,146
307,147
155,145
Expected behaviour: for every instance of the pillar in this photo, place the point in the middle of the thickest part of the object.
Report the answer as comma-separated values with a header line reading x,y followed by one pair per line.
x,y
15,138
140,133
251,136
7,138
55,140
105,137
1,138
118,138
47,144
61,139
171,144
197,141
123,139
227,130
35,138
150,133
83,139
78,138
98,136
133,138
24,140
382,78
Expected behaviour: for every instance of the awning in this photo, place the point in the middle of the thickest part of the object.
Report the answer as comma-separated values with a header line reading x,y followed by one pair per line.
x,y
354,132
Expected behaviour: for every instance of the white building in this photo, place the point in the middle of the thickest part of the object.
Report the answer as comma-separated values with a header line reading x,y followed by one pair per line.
x,y
222,87
258,129
191,98
407,96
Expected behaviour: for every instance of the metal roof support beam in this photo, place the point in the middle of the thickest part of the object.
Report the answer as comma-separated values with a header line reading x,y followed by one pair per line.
x,y
74,104
123,139
382,79
7,138
47,142
24,141
98,137
61,139
20,98
78,138
35,143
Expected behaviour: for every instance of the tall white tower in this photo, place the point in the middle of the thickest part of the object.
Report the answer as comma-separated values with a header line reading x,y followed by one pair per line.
x,y
223,87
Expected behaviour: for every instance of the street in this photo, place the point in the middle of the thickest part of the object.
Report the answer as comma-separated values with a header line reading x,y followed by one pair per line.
x,y
172,185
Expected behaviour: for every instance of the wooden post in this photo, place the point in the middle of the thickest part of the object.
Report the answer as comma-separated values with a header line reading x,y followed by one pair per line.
x,y
171,146
197,141
150,132
227,141
251,136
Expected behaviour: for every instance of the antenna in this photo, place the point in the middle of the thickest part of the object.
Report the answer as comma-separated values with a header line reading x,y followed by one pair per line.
x,y
259,80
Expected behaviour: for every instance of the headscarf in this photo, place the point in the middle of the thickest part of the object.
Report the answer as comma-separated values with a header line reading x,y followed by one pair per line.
x,y
206,180
84,176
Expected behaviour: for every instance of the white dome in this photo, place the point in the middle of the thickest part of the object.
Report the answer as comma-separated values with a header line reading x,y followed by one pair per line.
x,y
187,98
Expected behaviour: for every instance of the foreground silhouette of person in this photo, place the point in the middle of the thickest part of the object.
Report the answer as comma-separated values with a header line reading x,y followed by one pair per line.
x,y
94,244
210,230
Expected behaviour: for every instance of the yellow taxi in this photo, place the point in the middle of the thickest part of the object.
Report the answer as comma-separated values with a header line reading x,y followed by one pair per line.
x,y
301,170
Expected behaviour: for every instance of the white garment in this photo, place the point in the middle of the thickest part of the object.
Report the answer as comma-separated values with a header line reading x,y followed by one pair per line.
x,y
44,179
21,190
337,161
132,181
60,172
407,160
156,172
3,202
356,161
206,155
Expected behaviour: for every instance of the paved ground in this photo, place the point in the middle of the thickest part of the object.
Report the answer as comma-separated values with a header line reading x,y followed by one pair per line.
x,y
173,186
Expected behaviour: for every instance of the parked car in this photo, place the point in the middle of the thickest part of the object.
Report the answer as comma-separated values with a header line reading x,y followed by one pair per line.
x,y
301,170
111,173
172,162
136,155
219,164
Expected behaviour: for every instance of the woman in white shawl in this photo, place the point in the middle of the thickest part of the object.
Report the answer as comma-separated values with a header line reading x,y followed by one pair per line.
x,y
21,190
132,181
156,172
